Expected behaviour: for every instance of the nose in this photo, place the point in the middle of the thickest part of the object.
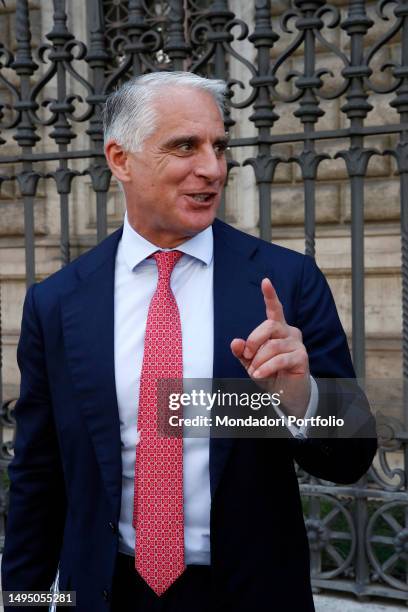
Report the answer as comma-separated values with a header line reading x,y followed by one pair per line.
x,y
210,165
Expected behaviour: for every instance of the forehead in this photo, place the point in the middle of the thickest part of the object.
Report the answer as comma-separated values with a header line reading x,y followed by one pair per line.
x,y
187,108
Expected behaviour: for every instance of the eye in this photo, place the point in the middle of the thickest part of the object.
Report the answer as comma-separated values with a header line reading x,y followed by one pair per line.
x,y
220,148
185,147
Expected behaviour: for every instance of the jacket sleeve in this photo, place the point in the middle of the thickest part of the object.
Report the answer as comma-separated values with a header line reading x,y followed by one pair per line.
x,y
341,456
37,495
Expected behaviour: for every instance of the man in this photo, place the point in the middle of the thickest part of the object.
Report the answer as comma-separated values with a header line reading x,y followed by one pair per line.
x,y
132,520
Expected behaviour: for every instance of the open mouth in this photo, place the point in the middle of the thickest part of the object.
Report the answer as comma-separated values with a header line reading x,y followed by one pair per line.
x,y
201,197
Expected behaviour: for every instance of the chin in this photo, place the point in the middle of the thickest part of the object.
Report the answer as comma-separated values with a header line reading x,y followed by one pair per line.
x,y
199,226
199,220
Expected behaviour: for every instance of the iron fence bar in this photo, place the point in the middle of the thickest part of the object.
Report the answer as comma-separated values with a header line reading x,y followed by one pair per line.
x,y
367,591
25,133
218,16
62,132
264,115
404,272
64,222
101,202
1,358
310,216
135,27
357,256
28,203
147,41
51,156
357,157
309,113
234,142
315,556
353,493
98,59
175,46
400,103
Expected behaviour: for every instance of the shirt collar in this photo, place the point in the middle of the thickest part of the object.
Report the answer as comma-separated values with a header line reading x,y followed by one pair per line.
x,y
136,248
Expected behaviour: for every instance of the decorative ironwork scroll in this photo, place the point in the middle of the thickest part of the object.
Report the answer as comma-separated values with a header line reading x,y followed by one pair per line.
x,y
51,96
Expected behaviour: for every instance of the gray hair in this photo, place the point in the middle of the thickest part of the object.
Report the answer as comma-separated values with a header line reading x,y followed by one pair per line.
x,y
129,117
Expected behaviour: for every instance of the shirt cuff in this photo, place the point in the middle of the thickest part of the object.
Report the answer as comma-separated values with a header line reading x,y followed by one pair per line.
x,y
301,432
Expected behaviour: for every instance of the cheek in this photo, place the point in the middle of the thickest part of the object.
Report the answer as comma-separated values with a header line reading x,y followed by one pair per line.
x,y
178,171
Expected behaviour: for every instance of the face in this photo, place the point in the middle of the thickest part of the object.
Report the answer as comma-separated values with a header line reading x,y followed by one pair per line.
x,y
173,186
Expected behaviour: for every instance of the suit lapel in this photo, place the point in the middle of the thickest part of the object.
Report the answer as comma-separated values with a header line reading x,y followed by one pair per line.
x,y
88,325
238,308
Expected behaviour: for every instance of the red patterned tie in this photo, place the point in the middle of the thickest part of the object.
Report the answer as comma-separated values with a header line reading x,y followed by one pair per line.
x,y
158,502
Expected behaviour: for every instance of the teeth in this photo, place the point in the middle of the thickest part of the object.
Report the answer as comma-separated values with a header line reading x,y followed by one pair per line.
x,y
201,197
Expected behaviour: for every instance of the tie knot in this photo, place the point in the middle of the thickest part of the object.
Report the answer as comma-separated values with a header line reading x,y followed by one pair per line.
x,y
166,260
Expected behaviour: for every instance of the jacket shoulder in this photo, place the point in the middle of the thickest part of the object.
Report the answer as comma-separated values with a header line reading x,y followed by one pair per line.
x,y
66,279
84,264
241,240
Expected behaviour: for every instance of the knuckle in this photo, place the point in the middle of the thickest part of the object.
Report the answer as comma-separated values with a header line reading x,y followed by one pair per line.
x,y
250,343
269,325
295,333
281,360
273,343
255,361
303,355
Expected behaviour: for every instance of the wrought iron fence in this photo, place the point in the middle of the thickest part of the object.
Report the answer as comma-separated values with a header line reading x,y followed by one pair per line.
x,y
359,534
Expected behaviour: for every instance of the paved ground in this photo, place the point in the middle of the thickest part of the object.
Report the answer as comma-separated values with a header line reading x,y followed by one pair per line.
x,y
334,603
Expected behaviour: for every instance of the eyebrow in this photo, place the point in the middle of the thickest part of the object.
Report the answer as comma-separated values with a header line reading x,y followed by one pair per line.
x,y
193,140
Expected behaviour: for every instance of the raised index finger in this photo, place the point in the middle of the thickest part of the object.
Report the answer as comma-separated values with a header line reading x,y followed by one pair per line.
x,y
273,306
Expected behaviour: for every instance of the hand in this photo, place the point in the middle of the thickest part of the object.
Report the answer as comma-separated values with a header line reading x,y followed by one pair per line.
x,y
274,355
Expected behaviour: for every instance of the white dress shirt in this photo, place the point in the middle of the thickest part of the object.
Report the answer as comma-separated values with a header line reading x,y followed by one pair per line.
x,y
192,286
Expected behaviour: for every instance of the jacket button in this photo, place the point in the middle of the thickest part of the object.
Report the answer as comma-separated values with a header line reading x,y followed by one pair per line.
x,y
105,595
113,527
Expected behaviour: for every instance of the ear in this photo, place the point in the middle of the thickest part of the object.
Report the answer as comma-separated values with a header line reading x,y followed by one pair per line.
x,y
118,161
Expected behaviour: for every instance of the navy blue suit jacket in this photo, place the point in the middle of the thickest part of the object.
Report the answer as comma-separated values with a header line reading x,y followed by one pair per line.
x,y
66,474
